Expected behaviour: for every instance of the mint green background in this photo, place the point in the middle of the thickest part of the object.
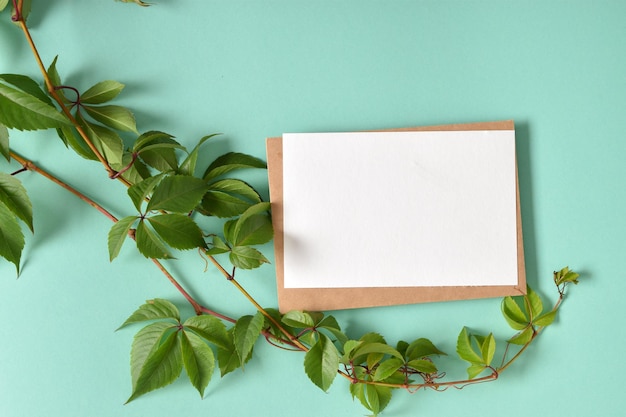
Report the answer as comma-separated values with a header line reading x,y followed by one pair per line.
x,y
253,69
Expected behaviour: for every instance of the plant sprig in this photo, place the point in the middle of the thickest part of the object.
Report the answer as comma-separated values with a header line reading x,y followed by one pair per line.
x,y
161,180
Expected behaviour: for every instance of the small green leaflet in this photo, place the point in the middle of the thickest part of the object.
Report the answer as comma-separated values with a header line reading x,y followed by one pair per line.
x,y
101,92
23,111
321,362
155,309
178,230
140,191
247,331
11,237
149,244
3,4
27,85
115,117
209,328
298,319
245,257
162,366
177,193
188,166
231,161
479,359
387,368
157,150
107,141
198,359
118,234
145,341
13,195
228,358
253,227
564,276
420,348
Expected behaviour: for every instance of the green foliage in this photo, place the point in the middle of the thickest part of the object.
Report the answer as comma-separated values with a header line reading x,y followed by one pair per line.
x,y
22,110
524,313
477,350
14,205
564,276
321,362
246,332
168,198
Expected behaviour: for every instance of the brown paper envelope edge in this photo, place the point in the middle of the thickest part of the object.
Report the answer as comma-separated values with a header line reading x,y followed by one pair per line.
x,y
319,299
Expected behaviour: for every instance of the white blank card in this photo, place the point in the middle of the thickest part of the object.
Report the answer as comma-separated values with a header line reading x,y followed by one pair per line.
x,y
400,209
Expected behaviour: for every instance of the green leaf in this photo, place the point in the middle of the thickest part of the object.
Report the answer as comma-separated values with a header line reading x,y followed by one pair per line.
x,y
178,230
136,170
188,166
330,324
140,191
565,275
423,365
321,362
246,333
488,349
27,85
115,117
474,370
420,348
55,78
387,368
209,328
198,359
118,234
254,230
513,314
533,304
157,150
177,193
23,111
348,347
523,337
245,257
3,4
145,342
298,319
14,196
373,397
218,246
149,244
101,92
11,237
238,187
154,309
252,227
223,205
108,142
545,319
231,161
77,143
162,366
465,350
375,347
4,142
228,358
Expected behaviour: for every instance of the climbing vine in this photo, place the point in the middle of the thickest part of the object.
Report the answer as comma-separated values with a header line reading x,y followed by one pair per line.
x,y
160,178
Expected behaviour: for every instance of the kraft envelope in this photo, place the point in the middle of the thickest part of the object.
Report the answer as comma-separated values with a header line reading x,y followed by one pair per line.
x,y
299,292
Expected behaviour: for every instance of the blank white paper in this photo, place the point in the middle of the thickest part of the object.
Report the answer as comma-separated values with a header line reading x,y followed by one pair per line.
x,y
399,209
